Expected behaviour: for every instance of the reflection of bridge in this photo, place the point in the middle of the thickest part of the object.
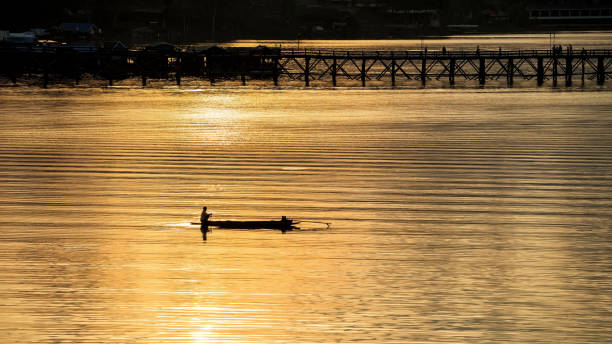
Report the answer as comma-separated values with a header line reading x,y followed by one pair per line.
x,y
365,68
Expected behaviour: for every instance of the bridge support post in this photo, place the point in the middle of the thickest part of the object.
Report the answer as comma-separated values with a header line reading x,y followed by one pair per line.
x,y
510,71
451,71
275,71
569,70
601,73
582,61
45,76
554,71
334,70
243,70
363,71
307,71
178,70
393,66
482,73
424,70
77,68
540,71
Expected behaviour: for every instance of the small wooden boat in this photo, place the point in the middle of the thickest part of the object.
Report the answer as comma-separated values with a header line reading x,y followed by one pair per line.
x,y
283,225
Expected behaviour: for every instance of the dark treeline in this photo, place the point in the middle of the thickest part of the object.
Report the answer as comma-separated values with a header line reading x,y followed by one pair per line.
x,y
182,21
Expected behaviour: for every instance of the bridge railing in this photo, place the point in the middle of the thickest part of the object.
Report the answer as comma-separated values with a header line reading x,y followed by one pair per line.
x,y
457,53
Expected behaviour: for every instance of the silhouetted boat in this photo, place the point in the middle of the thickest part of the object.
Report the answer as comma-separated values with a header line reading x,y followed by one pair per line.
x,y
282,225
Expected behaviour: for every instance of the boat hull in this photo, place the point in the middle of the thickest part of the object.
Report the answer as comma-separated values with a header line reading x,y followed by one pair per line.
x,y
280,225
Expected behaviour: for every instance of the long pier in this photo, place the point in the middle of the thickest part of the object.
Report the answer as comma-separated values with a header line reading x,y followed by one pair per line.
x,y
307,67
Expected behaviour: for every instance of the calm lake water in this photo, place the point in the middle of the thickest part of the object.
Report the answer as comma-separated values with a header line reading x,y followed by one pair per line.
x,y
458,215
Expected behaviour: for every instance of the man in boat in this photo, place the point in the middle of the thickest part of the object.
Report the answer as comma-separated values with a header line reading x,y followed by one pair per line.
x,y
285,224
204,222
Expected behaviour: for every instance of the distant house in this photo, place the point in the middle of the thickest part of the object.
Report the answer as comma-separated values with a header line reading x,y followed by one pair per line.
x,y
113,46
78,29
568,14
492,16
21,38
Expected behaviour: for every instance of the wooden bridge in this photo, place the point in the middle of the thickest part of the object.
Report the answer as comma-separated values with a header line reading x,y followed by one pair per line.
x,y
307,67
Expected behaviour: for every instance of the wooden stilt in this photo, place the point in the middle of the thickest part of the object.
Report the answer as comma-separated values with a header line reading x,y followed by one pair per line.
x,y
554,71
307,71
601,75
178,70
334,70
393,66
540,71
424,70
363,71
451,72
582,61
275,71
482,77
510,71
45,77
569,70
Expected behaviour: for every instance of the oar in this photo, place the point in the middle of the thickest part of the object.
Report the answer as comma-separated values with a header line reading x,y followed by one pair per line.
x,y
307,221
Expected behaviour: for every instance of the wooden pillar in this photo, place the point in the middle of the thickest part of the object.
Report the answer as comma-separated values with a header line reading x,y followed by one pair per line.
x,y
451,71
569,70
601,73
554,71
109,68
334,70
424,70
582,60
510,71
540,71
45,76
275,71
45,69
363,71
307,71
178,70
243,70
393,70
482,71
77,68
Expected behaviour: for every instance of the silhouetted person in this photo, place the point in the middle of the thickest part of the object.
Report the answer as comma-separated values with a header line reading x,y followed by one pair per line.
x,y
285,224
204,223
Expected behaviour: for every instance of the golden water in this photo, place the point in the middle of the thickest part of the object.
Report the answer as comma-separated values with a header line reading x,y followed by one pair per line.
x,y
458,216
